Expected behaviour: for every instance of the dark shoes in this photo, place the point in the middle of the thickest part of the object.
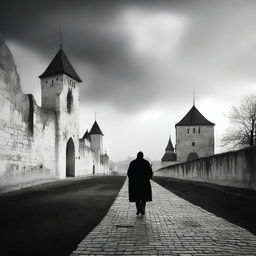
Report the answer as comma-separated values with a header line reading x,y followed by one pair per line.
x,y
142,212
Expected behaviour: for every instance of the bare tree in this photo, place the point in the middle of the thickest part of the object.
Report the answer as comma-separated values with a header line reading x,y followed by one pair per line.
x,y
242,132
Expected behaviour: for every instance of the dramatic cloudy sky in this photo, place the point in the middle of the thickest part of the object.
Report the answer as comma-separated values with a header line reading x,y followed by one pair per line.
x,y
140,61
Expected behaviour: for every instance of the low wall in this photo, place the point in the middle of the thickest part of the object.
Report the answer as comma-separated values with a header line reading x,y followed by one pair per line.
x,y
236,169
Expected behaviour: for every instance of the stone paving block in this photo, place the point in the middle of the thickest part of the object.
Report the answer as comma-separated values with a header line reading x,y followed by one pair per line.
x,y
171,226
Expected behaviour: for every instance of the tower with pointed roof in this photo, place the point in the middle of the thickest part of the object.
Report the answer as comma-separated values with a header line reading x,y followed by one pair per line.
x,y
169,156
60,93
96,138
194,136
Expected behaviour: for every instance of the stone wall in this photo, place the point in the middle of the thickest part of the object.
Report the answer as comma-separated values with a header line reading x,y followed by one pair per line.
x,y
104,164
236,169
90,162
86,160
27,141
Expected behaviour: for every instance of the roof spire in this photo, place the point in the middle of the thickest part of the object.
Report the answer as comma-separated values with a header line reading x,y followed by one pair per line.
x,y
95,116
61,65
61,39
193,98
96,129
169,144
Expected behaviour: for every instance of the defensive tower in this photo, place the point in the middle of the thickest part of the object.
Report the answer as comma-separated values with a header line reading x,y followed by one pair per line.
x,y
60,93
194,136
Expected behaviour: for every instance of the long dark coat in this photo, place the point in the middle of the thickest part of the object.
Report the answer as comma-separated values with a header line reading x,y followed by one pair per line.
x,y
139,173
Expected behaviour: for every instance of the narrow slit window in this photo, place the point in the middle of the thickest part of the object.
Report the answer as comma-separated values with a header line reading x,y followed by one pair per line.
x,y
69,101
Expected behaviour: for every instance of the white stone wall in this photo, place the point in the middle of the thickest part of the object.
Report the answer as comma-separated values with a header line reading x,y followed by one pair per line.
x,y
27,132
86,160
203,141
97,143
235,169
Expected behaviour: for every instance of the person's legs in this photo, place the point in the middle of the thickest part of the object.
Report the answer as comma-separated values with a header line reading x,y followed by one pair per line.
x,y
138,206
143,205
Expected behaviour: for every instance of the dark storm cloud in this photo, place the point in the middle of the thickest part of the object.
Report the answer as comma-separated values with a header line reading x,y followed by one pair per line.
x,y
218,41
91,34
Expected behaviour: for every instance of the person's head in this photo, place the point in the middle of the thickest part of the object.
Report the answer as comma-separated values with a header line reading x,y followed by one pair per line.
x,y
140,155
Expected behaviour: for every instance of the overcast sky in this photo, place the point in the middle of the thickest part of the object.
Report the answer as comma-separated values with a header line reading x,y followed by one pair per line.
x,y
140,62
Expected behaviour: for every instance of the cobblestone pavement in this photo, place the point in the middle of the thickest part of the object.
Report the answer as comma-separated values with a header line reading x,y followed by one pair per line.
x,y
171,226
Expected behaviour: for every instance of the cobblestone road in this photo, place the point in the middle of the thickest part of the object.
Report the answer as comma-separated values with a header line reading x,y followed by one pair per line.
x,y
171,226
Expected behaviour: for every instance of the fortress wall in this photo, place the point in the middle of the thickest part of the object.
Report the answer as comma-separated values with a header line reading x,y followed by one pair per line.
x,y
104,165
235,168
33,140
86,160
27,132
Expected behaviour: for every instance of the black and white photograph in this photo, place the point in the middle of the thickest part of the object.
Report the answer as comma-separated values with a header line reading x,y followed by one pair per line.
x,y
128,127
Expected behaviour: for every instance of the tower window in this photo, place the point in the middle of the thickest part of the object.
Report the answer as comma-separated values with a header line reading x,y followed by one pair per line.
x,y
188,131
193,143
69,101
194,130
199,130
46,82
57,78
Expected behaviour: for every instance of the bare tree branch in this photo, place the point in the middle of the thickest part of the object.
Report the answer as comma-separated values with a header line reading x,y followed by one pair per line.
x,y
242,132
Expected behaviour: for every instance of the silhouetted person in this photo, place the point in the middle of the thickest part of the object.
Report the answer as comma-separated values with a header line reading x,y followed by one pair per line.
x,y
139,173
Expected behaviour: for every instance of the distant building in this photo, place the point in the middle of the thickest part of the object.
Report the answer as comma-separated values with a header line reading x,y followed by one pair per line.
x,y
194,139
194,136
169,156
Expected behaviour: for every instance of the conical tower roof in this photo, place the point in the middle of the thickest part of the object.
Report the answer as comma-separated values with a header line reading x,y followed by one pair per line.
x,y
96,129
169,145
169,157
193,117
60,65
86,135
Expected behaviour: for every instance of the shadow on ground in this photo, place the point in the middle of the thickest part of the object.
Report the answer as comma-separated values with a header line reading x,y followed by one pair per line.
x,y
235,205
51,219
